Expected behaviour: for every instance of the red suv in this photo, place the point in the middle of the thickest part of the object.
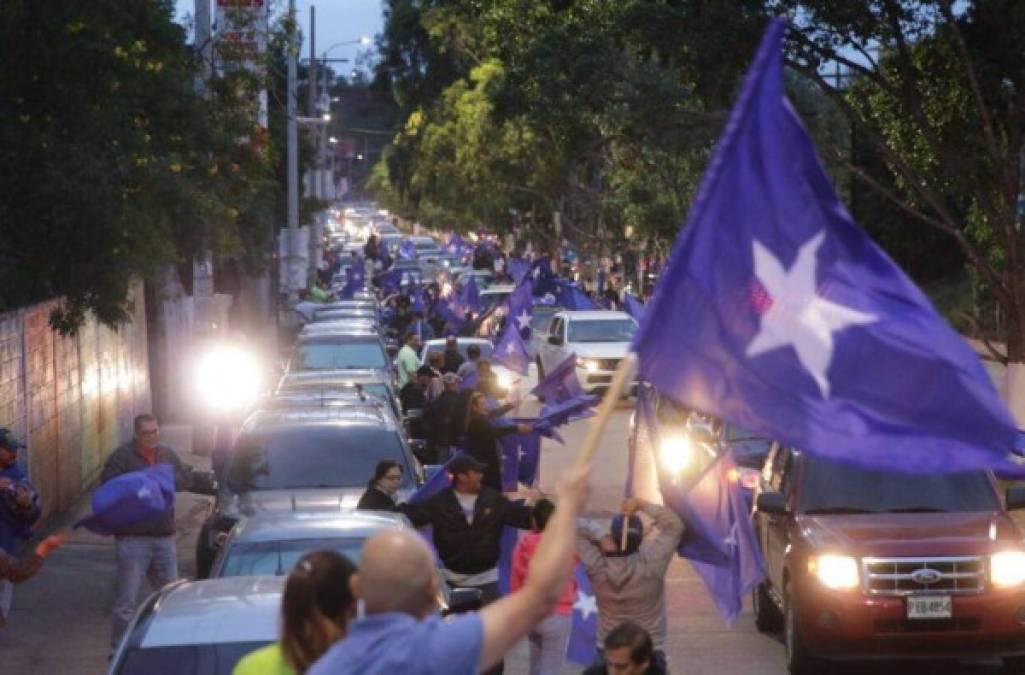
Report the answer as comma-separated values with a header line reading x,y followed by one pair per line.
x,y
879,565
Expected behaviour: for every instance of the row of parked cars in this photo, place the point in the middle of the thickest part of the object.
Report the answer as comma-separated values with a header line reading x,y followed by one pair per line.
x,y
287,486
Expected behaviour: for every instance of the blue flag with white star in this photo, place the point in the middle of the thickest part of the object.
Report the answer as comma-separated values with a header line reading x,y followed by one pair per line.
x,y
519,307
510,350
777,312
583,637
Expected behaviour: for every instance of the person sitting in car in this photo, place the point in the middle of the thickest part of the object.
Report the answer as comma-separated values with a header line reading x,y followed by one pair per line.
x,y
381,490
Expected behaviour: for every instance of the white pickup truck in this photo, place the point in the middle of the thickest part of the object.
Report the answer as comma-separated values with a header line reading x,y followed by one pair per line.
x,y
598,339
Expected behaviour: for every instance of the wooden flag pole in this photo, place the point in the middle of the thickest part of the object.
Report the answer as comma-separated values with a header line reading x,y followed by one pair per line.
x,y
620,381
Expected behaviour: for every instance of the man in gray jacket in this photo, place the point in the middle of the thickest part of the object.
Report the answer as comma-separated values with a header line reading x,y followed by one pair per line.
x,y
145,551
629,580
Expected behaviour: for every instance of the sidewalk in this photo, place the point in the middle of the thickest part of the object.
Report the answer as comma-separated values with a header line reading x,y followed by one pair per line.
x,y
60,619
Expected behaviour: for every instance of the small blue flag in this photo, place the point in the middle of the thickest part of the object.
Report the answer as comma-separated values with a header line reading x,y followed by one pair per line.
x,y
521,458
518,269
633,306
572,297
390,281
583,637
561,384
543,277
407,251
438,482
131,499
510,350
777,312
507,546
469,297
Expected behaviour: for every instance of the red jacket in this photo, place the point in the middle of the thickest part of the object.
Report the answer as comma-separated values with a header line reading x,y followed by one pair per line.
x,y
522,554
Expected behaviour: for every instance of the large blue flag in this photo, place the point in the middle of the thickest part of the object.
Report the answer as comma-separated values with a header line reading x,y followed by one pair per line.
x,y
518,269
510,350
572,297
521,458
777,313
469,297
583,638
561,384
544,278
131,499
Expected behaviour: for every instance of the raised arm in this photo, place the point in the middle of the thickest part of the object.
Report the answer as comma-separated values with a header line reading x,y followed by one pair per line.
x,y
670,528
508,620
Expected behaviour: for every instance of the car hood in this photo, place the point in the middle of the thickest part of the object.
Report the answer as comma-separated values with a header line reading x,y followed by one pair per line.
x,y
600,350
910,534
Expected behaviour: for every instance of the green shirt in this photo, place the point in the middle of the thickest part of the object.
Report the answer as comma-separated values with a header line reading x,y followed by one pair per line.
x,y
407,362
266,661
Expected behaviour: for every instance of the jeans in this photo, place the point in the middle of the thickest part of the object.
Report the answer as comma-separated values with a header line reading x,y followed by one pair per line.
x,y
140,559
548,643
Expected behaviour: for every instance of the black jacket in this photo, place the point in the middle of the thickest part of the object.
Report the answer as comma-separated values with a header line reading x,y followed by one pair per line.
x,y
482,443
453,359
126,459
412,397
443,419
375,499
468,548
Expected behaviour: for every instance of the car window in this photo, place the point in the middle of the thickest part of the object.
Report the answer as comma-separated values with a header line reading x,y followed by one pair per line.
x,y
338,356
322,456
277,558
556,327
604,330
828,486
209,659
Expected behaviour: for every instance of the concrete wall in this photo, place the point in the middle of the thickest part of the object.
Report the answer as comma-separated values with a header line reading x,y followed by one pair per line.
x,y
71,399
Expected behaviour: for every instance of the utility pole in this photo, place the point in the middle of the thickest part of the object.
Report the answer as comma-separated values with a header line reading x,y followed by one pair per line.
x,y
292,142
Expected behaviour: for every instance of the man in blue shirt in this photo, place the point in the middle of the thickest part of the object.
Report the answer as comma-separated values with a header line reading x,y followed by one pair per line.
x,y
398,584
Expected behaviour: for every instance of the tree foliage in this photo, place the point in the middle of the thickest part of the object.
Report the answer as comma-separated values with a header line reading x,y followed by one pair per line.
x,y
112,166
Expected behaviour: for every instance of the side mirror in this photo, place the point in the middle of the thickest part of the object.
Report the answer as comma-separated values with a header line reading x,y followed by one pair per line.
x,y
555,340
462,600
1015,497
204,483
772,502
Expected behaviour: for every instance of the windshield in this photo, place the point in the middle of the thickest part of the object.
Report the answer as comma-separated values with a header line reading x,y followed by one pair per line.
x,y
210,659
486,348
326,456
748,449
603,330
833,487
279,557
347,355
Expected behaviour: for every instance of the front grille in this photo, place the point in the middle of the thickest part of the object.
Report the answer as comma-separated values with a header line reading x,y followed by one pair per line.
x,y
897,576
608,364
926,625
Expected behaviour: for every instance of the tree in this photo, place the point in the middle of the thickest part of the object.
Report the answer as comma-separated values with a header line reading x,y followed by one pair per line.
x,y
112,167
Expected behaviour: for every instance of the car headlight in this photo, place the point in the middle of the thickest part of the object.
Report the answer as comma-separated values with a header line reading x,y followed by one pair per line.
x,y
1007,569
839,572
590,365
504,380
228,377
675,452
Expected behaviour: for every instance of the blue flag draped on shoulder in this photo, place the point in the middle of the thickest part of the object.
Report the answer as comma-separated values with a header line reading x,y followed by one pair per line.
x,y
131,499
777,313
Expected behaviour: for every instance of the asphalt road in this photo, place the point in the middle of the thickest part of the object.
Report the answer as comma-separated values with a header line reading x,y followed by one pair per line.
x,y
60,621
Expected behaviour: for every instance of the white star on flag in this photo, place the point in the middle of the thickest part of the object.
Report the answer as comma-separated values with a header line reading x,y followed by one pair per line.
x,y
523,319
510,348
798,316
585,604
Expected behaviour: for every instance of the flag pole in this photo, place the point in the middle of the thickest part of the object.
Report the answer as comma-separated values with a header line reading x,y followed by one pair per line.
x,y
620,380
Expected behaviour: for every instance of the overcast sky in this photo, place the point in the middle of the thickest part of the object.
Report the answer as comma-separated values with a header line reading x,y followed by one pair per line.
x,y
337,21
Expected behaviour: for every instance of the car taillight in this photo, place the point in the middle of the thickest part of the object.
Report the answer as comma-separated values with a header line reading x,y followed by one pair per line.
x,y
748,478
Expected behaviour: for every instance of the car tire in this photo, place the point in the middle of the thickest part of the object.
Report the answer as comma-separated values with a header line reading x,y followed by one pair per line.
x,y
768,618
1014,665
799,660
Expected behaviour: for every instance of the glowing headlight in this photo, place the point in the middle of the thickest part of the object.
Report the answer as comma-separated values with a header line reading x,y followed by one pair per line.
x,y
504,380
1007,569
839,572
446,289
675,453
590,365
227,378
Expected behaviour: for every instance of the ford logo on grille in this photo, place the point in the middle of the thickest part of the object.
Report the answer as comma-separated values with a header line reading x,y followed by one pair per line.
x,y
926,576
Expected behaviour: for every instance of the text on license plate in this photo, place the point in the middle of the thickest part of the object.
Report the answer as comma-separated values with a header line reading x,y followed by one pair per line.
x,y
929,607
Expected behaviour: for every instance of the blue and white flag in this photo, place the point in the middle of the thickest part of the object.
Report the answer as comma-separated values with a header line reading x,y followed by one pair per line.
x,y
582,648
544,278
521,458
518,269
779,314
131,499
519,307
469,296
572,297
561,384
510,350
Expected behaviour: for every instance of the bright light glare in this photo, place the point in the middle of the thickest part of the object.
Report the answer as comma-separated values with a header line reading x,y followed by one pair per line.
x,y
446,289
1008,568
228,377
365,40
838,572
504,380
675,453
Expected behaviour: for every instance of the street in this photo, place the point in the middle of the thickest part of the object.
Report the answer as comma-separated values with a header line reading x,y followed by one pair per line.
x,y
61,619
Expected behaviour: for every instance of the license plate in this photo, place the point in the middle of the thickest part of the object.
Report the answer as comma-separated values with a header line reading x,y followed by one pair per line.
x,y
930,607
